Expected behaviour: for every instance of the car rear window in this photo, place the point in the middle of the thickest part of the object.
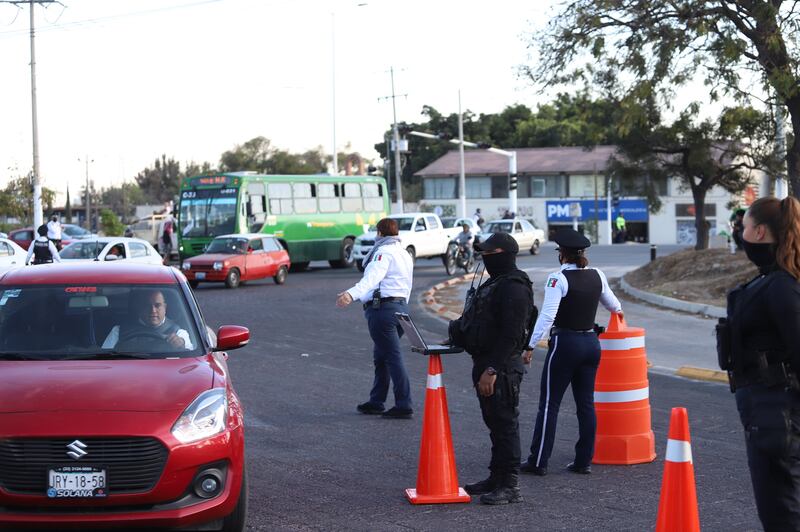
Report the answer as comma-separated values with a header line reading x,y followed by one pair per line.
x,y
62,322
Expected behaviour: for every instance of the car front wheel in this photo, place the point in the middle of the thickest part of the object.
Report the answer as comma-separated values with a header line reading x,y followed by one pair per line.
x,y
413,253
236,521
360,265
535,248
194,284
233,278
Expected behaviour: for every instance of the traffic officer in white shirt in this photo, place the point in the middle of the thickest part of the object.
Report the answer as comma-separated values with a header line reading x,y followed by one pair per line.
x,y
42,250
54,231
570,303
384,290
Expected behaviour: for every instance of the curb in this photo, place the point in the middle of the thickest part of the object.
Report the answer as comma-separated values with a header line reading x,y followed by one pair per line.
x,y
702,374
672,303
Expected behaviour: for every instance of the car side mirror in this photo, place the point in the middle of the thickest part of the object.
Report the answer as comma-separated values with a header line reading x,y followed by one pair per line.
x,y
111,257
232,337
249,250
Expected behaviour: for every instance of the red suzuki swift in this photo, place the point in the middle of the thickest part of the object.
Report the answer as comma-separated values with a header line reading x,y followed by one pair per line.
x,y
116,405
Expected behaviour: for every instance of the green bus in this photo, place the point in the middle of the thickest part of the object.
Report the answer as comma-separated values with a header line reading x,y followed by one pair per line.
x,y
316,217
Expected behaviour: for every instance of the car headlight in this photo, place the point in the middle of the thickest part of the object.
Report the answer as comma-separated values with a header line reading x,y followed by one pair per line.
x,y
218,266
205,417
186,266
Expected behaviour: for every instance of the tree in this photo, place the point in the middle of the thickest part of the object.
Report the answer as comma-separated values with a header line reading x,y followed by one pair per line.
x,y
658,46
110,223
160,183
68,208
16,201
258,155
700,155
122,200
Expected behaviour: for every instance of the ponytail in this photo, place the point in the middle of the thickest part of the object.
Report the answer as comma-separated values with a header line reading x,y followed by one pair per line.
x,y
788,252
574,256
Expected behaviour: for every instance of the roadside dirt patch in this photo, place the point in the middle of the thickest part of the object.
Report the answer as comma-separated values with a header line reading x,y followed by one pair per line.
x,y
700,276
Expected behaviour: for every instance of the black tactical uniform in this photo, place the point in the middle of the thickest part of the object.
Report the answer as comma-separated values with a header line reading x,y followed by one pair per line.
x,y
494,329
759,346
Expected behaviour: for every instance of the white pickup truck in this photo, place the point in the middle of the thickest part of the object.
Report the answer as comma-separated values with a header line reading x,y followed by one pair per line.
x,y
421,233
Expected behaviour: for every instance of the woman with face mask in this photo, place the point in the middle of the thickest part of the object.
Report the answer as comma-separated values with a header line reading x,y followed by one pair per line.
x,y
759,346
571,295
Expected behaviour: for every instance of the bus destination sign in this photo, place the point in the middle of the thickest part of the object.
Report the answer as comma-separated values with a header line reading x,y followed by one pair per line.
x,y
213,180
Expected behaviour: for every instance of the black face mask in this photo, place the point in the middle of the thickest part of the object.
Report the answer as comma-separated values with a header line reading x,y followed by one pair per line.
x,y
499,263
762,255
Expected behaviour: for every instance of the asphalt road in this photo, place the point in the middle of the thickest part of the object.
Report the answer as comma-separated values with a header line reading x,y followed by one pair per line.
x,y
316,464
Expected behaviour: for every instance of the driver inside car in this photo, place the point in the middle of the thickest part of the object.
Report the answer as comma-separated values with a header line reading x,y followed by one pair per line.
x,y
151,320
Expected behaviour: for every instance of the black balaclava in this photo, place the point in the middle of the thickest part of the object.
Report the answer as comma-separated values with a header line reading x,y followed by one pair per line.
x,y
500,263
762,255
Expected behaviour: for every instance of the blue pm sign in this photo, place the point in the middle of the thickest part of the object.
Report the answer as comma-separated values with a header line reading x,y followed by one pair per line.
x,y
634,210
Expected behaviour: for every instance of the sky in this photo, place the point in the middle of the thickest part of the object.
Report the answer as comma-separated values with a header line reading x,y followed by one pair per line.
x,y
120,82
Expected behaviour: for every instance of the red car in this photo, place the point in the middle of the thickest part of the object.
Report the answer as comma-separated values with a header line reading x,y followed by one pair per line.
x,y
238,258
24,237
116,405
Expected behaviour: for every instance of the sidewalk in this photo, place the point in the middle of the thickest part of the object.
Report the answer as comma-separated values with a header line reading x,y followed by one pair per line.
x,y
677,343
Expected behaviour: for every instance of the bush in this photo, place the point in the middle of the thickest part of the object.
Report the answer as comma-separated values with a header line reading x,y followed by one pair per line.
x,y
110,223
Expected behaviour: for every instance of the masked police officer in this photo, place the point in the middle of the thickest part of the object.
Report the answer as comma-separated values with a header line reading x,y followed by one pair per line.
x,y
494,329
42,249
759,346
570,303
384,290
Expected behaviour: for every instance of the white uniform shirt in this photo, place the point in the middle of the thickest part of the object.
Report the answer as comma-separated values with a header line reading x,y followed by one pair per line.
x,y
51,247
465,239
391,269
54,230
113,337
555,289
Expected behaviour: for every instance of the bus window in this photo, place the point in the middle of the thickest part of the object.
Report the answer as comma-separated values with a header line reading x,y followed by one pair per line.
x,y
352,197
373,202
255,206
304,200
280,198
328,199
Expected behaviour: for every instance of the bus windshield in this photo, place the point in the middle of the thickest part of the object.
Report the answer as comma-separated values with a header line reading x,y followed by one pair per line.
x,y
208,212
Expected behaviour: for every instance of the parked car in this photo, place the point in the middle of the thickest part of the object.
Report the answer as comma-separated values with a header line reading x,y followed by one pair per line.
x,y
104,431
236,258
11,255
24,237
111,248
524,232
75,232
421,233
453,226
149,227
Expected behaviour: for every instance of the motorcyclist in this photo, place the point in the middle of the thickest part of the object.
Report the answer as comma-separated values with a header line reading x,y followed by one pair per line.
x,y
465,239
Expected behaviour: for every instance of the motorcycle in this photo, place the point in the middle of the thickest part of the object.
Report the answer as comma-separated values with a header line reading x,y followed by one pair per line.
x,y
457,257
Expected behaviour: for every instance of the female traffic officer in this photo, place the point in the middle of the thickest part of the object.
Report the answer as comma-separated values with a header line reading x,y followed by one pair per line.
x,y
763,358
42,249
570,304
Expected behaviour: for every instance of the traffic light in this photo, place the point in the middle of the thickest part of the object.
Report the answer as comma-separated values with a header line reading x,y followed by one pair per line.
x,y
512,182
484,145
444,135
403,129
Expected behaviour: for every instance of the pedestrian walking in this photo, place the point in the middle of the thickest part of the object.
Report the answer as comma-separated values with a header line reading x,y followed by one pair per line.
x,y
759,346
165,232
571,296
478,218
384,290
494,329
42,250
622,232
54,231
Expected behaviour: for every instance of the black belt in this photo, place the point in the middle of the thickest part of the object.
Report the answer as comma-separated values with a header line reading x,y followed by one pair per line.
x,y
557,330
776,374
385,300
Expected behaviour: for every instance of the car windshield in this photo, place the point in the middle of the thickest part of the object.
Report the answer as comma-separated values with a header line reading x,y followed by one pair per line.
x,y
448,222
75,232
228,246
208,212
404,224
499,227
82,250
72,322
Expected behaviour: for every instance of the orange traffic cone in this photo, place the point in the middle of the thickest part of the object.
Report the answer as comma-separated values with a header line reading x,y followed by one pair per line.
x,y
677,507
622,398
437,480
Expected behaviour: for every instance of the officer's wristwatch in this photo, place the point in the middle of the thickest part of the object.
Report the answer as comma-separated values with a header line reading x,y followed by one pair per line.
x,y
491,371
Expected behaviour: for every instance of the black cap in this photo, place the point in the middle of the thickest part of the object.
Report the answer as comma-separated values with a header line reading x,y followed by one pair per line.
x,y
502,241
570,238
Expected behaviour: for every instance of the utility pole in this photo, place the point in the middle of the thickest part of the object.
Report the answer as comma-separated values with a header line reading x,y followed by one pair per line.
x,y
462,179
781,186
398,171
88,203
333,91
36,181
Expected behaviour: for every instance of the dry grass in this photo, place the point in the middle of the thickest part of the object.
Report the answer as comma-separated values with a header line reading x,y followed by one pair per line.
x,y
700,276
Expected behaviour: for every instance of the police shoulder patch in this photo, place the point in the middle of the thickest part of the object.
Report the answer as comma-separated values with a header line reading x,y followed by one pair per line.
x,y
552,282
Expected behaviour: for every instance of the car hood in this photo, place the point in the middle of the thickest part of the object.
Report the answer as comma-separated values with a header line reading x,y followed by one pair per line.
x,y
210,258
103,385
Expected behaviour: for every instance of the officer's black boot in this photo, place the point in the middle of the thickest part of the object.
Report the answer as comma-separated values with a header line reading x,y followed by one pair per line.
x,y
484,486
507,491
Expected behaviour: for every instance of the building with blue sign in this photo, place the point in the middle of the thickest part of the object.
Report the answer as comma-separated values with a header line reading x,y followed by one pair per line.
x,y
566,186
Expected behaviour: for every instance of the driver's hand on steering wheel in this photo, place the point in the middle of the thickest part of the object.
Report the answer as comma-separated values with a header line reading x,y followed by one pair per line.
x,y
176,341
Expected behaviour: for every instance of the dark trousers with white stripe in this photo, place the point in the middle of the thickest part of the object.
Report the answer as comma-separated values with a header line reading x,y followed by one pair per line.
x,y
387,354
572,358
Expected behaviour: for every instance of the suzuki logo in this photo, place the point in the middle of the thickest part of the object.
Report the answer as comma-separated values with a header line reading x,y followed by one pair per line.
x,y
76,450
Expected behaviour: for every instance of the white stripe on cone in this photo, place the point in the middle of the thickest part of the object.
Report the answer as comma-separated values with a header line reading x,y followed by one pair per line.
x,y
679,451
622,344
435,382
622,397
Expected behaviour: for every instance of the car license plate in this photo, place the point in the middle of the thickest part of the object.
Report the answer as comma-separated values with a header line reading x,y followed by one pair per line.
x,y
77,482
200,276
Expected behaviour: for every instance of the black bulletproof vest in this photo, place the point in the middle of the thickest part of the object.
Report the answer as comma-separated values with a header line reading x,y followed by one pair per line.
x,y
41,252
579,307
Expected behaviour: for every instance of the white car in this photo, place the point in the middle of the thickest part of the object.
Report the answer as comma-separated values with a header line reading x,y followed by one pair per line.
x,y
525,233
11,255
421,233
111,248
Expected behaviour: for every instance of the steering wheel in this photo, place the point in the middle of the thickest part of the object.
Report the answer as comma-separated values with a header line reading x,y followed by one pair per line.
x,y
142,340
